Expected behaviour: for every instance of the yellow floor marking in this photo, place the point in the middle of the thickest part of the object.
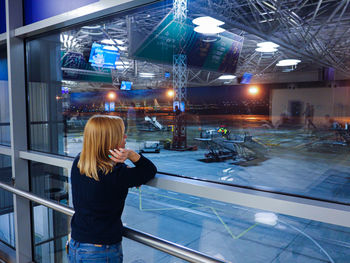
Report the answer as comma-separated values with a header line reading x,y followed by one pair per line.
x,y
209,207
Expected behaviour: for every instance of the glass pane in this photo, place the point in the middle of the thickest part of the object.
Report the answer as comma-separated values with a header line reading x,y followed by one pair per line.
x,y
4,100
222,230
234,233
50,227
52,250
50,182
50,234
239,120
7,229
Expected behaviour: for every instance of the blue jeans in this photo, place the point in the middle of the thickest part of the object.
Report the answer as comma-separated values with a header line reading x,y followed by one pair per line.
x,y
85,252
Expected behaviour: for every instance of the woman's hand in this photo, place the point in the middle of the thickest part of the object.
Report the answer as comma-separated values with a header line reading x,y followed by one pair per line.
x,y
119,155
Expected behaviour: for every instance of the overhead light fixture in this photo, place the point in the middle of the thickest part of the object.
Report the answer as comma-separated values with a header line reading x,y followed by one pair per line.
x,y
207,21
91,27
122,63
146,75
266,218
208,25
68,41
122,48
209,30
111,48
288,62
112,42
267,47
226,77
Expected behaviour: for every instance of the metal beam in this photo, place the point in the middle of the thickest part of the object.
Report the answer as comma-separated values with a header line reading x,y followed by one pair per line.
x,y
2,38
5,150
18,129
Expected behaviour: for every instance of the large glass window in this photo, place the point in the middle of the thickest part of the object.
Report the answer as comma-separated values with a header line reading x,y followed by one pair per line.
x,y
7,231
222,230
200,104
4,99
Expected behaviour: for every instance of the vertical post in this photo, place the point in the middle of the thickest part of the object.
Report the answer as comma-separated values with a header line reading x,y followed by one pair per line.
x,y
180,75
18,129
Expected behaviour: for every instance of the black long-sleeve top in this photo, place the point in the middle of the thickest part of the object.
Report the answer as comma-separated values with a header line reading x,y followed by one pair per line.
x,y
99,204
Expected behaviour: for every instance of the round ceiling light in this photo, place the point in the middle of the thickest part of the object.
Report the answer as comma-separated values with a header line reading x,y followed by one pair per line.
x,y
207,21
211,30
288,62
268,47
208,25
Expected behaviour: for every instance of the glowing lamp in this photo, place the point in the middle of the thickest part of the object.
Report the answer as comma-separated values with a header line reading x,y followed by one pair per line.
x,y
170,93
288,62
111,95
267,47
253,90
227,77
207,25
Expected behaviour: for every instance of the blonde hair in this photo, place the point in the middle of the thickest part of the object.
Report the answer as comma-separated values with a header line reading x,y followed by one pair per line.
x,y
101,134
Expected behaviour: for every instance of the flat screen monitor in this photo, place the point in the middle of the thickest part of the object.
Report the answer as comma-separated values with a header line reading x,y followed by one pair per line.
x,y
246,78
106,106
104,56
126,85
179,105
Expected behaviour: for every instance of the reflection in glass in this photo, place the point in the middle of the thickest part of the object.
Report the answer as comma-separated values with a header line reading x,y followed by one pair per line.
x,y
222,230
234,125
233,233
7,230
4,100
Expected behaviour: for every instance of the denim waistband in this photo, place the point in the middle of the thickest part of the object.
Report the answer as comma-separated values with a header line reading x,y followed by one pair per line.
x,y
77,244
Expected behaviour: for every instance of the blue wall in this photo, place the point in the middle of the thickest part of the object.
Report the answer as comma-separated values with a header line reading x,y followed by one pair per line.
x,y
2,17
36,10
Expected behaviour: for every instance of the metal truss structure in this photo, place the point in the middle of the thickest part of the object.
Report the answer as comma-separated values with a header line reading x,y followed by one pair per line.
x,y
180,77
315,31
180,59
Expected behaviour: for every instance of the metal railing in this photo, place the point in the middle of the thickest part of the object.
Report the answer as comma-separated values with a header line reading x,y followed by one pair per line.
x,y
133,234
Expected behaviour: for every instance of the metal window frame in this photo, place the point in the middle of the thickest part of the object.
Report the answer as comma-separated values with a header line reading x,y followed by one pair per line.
x,y
2,38
321,211
80,15
326,212
5,150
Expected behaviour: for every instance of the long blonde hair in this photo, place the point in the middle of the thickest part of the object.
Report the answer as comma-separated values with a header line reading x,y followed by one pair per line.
x,y
101,134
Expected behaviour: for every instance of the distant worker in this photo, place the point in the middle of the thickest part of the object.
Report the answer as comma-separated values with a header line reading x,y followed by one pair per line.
x,y
223,131
100,181
309,114
177,111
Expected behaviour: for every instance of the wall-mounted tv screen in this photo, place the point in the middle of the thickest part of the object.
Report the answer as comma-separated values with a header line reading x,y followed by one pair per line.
x,y
103,56
246,78
126,85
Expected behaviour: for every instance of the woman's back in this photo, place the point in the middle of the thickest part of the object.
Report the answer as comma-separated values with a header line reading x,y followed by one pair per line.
x,y
99,204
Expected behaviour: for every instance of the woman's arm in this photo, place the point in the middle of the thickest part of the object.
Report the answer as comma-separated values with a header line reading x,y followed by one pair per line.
x,y
143,171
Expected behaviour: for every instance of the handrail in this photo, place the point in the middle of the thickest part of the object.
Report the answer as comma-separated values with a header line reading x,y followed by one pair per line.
x,y
133,234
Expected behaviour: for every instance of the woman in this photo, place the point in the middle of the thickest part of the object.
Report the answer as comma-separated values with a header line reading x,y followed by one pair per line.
x,y
100,182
